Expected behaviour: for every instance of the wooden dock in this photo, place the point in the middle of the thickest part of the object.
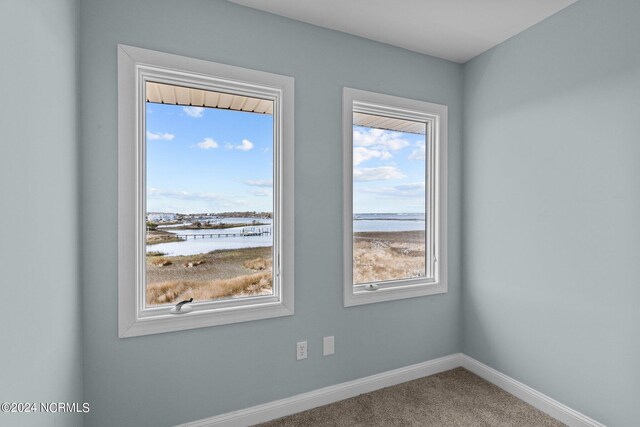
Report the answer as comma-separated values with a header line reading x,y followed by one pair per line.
x,y
245,232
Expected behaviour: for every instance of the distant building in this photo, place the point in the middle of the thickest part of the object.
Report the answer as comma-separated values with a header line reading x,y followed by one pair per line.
x,y
161,217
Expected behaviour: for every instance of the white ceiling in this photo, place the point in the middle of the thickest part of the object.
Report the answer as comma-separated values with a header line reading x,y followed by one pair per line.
x,y
457,30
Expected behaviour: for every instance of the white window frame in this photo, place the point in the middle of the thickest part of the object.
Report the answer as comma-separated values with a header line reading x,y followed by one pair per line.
x,y
135,67
435,117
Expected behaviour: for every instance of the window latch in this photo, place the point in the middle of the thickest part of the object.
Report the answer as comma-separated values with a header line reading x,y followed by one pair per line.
x,y
181,308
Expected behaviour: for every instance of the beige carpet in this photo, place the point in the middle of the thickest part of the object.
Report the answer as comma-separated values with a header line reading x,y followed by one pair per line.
x,y
452,398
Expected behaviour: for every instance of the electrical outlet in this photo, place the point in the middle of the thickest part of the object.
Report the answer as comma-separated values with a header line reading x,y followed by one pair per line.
x,y
328,346
301,350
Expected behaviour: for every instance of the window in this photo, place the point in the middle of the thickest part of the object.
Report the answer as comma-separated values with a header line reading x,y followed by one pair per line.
x,y
395,157
205,193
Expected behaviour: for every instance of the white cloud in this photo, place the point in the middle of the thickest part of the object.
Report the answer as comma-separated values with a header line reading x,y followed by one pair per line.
x,y
382,173
245,145
259,182
362,154
379,139
159,136
207,144
420,152
261,193
195,112
411,190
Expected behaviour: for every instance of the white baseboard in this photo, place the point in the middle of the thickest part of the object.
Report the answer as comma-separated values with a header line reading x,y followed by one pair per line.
x,y
324,396
533,397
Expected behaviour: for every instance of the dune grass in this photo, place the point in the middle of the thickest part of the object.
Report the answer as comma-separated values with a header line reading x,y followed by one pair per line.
x,y
155,253
155,237
378,256
382,256
204,277
174,291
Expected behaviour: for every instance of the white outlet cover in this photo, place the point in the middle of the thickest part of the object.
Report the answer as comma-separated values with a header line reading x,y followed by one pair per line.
x,y
301,350
328,346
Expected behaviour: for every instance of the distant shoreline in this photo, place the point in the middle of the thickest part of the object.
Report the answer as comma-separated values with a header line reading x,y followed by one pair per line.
x,y
218,226
219,215
388,219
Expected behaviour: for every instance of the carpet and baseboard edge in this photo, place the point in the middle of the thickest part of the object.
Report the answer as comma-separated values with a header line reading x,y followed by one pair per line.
x,y
324,396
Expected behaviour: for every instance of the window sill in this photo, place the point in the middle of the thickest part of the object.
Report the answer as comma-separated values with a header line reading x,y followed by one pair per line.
x,y
203,318
360,296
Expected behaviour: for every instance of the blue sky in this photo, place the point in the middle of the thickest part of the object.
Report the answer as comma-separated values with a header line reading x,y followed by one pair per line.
x,y
213,160
208,160
388,171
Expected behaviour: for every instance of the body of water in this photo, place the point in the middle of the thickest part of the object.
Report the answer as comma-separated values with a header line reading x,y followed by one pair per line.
x,y
361,223
388,222
204,245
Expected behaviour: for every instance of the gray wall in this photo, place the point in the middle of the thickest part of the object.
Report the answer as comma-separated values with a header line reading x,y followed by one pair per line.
x,y
552,208
177,377
552,238
40,356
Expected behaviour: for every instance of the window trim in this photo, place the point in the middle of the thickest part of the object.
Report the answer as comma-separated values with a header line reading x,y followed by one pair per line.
x,y
435,115
135,67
